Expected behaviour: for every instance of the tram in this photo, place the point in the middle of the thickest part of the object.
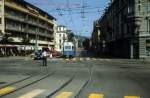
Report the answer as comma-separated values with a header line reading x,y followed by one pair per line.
x,y
68,49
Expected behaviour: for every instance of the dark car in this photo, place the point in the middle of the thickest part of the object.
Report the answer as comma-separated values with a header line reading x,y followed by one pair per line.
x,y
38,55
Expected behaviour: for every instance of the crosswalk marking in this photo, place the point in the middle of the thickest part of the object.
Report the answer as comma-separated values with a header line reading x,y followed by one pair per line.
x,y
95,95
87,59
7,90
32,93
74,59
64,95
81,59
131,96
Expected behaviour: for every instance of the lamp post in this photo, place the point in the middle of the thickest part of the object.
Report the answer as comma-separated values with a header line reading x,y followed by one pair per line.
x,y
36,36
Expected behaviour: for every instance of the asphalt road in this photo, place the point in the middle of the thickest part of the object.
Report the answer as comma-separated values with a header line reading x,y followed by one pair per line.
x,y
76,78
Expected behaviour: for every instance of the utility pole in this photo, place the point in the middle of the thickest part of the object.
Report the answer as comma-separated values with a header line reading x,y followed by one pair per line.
x,y
37,35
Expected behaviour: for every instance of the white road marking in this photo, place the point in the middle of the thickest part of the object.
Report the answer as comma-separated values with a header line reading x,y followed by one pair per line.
x,y
32,93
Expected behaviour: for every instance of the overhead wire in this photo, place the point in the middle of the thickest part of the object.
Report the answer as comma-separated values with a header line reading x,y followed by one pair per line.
x,y
83,9
70,14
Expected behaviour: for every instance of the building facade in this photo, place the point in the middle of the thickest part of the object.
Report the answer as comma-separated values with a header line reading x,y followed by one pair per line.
x,y
96,35
25,24
60,37
125,28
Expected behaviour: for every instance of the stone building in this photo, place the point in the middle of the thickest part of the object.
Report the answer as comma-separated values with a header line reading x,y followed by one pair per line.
x,y
96,35
125,28
61,36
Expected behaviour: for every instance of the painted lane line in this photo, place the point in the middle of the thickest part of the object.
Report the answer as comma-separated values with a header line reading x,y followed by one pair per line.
x,y
64,95
6,90
95,95
32,93
131,96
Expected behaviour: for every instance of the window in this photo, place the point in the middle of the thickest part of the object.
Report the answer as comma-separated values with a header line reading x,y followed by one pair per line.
x,y
67,47
139,6
148,51
148,47
72,47
59,41
148,6
0,8
61,28
130,6
63,35
0,20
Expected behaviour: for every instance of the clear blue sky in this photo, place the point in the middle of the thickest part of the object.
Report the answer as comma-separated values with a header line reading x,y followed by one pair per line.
x,y
68,13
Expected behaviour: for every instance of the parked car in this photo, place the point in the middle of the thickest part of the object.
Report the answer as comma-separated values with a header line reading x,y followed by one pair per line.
x,y
37,55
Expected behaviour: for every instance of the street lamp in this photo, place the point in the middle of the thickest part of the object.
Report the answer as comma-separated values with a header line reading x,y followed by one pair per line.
x,y
36,36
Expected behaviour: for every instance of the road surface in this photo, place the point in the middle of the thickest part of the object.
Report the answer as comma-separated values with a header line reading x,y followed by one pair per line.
x,y
76,78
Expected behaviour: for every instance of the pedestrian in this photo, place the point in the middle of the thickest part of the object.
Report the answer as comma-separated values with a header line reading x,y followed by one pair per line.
x,y
44,55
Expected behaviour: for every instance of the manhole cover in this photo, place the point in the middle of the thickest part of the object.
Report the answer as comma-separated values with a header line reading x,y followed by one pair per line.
x,y
2,82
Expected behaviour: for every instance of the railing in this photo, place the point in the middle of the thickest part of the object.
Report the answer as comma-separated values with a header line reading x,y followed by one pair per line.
x,y
14,17
144,33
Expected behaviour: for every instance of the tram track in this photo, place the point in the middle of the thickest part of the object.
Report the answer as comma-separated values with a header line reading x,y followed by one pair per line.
x,y
50,85
73,88
24,83
62,86
20,80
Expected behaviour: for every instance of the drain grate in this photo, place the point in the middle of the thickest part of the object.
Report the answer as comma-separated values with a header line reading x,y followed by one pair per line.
x,y
3,82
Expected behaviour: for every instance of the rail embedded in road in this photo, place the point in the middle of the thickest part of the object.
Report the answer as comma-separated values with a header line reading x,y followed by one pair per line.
x,y
22,84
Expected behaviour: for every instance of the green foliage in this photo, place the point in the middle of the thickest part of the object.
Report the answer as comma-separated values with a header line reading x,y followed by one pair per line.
x,y
71,37
86,44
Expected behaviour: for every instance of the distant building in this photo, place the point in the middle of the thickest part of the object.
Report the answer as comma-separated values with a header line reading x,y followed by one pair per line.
x,y
60,37
125,29
20,20
79,42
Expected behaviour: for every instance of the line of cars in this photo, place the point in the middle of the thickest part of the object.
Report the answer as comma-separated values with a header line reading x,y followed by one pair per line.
x,y
68,51
50,53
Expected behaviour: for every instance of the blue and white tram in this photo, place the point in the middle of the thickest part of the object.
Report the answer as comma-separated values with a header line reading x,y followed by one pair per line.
x,y
68,49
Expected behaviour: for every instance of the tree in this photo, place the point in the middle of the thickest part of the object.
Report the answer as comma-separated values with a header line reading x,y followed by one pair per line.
x,y
5,40
71,36
86,44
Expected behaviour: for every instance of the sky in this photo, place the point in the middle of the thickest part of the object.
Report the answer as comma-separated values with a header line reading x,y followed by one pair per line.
x,y
77,15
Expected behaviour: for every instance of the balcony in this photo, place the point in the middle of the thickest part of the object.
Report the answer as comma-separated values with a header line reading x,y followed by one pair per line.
x,y
8,16
32,31
32,23
15,6
50,30
43,34
144,34
17,28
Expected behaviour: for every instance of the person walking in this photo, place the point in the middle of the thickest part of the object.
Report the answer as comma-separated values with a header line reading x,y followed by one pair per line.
x,y
44,55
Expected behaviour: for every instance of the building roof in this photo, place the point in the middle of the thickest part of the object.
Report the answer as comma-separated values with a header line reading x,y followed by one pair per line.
x,y
61,26
35,7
